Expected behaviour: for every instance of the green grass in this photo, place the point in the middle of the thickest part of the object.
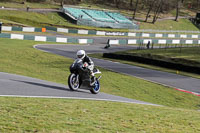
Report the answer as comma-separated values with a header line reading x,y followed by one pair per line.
x,y
183,12
19,57
66,116
32,18
182,24
18,4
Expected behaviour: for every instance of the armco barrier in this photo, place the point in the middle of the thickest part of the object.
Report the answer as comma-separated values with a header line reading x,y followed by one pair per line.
x,y
46,38
24,29
111,42
153,41
130,34
167,64
103,33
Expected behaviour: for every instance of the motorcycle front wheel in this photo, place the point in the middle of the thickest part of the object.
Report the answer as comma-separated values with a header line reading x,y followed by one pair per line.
x,y
73,82
96,87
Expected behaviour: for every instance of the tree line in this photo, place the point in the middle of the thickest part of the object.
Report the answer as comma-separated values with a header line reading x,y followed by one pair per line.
x,y
156,7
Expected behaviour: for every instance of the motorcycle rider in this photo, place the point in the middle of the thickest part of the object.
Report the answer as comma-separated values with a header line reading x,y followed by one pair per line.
x,y
81,54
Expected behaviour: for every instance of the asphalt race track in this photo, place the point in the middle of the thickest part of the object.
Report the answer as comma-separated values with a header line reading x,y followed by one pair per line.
x,y
168,79
12,85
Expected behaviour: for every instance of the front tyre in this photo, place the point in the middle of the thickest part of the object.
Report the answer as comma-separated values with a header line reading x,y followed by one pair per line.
x,y
73,82
96,88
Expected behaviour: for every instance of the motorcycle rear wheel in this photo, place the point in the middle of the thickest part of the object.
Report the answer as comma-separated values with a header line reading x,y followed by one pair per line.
x,y
96,88
73,83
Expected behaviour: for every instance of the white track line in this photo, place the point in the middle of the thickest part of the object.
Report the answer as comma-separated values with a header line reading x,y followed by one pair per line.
x,y
77,98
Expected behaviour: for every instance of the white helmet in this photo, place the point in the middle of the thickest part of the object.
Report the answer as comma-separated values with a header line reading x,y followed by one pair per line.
x,y
80,54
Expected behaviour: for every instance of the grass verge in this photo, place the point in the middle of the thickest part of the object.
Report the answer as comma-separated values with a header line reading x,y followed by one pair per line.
x,y
19,57
61,115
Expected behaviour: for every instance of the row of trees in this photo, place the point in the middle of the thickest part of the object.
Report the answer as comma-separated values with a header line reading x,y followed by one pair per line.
x,y
156,7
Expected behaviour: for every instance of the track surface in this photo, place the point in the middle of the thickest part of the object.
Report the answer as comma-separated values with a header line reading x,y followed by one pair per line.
x,y
168,79
21,86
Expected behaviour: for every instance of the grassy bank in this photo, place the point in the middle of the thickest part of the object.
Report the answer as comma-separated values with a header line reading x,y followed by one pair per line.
x,y
20,4
32,18
182,24
19,57
60,115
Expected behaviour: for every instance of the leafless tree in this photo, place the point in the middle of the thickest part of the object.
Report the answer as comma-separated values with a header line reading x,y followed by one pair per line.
x,y
177,9
157,10
135,9
151,6
117,3
131,3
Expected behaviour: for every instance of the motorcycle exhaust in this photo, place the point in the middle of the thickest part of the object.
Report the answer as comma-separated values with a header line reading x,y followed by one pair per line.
x,y
96,80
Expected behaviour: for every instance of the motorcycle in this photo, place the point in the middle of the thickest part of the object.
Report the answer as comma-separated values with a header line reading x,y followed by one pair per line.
x,y
80,77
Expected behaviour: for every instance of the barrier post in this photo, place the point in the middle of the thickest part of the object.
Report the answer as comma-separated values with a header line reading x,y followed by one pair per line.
x,y
0,26
152,45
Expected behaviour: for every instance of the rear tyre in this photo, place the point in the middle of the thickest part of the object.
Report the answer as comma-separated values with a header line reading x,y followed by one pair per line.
x,y
73,82
96,88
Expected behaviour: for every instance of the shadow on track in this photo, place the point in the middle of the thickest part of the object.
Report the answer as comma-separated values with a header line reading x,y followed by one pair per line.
x,y
49,86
